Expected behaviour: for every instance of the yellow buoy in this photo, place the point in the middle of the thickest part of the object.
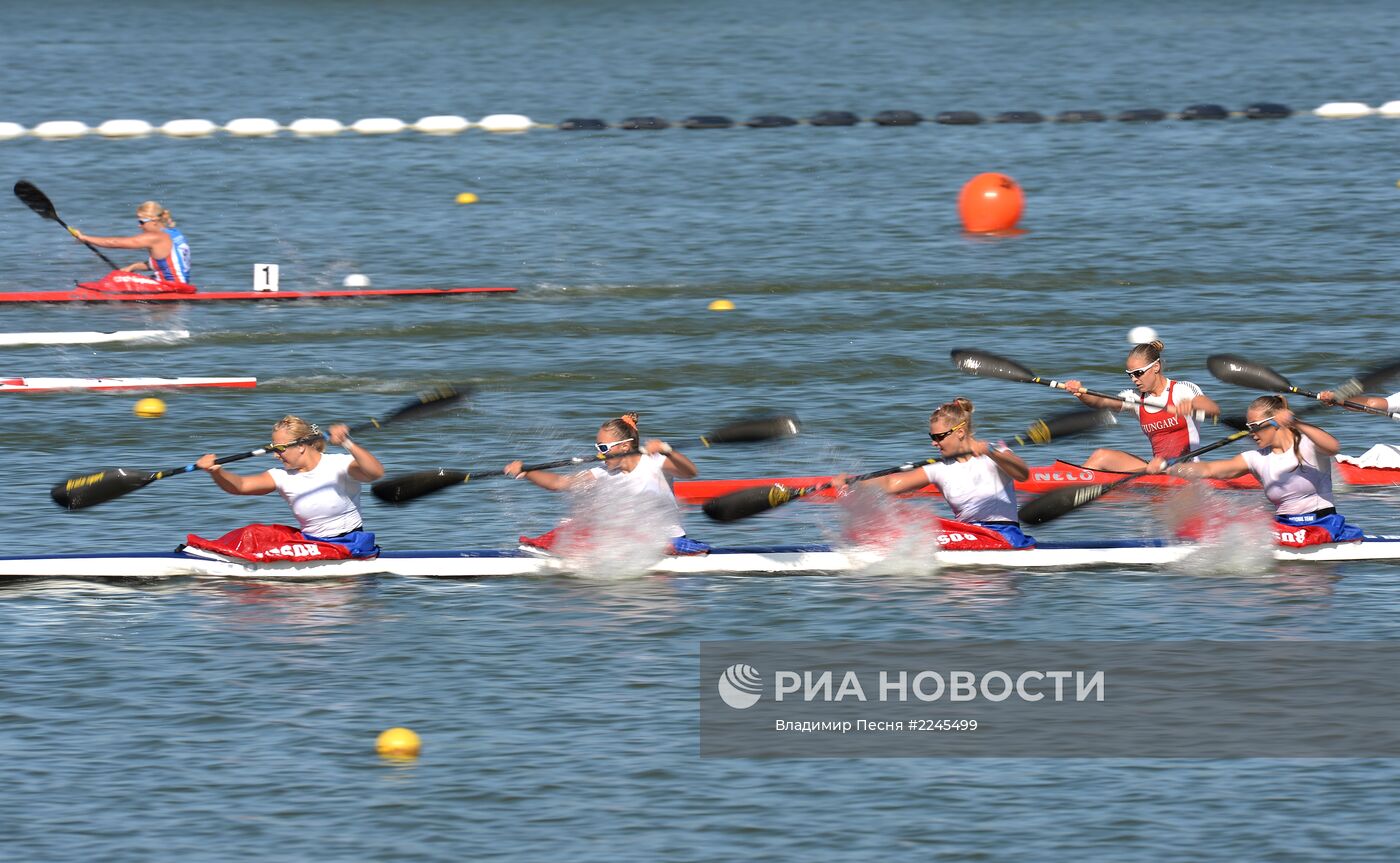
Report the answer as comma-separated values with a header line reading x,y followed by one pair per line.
x,y
722,306
398,743
467,198
150,407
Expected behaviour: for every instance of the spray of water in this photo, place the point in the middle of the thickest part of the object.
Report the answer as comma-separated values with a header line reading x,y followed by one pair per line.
x,y
899,538
611,534
1234,536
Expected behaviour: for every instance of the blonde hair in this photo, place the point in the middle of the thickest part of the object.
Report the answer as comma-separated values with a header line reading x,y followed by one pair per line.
x,y
299,428
1273,404
153,210
625,427
955,412
1151,352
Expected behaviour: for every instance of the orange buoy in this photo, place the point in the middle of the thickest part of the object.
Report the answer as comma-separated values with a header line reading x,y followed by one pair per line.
x,y
990,202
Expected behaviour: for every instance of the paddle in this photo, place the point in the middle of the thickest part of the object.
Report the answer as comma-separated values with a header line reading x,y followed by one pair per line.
x,y
40,203
81,492
1241,372
748,502
1053,504
410,487
983,364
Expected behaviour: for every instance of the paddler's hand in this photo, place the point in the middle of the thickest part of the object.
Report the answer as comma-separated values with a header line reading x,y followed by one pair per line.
x,y
1329,397
78,235
979,448
1156,466
1285,418
1188,470
338,434
841,482
513,470
658,447
206,462
131,268
1183,408
1076,389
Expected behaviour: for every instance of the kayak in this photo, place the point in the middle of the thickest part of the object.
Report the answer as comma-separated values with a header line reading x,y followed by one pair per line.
x,y
82,295
755,560
1042,479
91,337
52,385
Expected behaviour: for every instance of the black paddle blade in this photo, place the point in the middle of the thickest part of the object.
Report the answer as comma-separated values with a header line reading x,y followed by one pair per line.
x,y
1238,423
81,492
427,403
1375,381
753,430
1242,373
35,199
409,487
1053,504
1066,425
746,502
981,363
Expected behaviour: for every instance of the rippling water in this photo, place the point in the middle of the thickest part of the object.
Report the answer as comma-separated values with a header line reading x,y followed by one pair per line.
x,y
206,720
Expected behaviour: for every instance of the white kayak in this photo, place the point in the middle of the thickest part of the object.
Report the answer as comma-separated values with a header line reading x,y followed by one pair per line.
x,y
53,385
10,340
757,560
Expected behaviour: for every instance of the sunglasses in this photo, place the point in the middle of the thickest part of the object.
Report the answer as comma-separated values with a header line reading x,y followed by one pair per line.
x,y
141,221
280,448
604,448
939,436
1260,425
1137,373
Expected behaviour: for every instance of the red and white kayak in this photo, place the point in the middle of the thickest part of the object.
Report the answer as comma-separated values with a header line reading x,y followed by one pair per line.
x,y
82,294
1042,479
10,340
54,385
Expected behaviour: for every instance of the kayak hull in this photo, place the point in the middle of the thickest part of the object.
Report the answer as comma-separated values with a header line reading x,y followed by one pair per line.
x,y
57,385
91,338
88,296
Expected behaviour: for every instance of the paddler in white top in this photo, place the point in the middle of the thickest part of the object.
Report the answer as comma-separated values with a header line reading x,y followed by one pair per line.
x,y
169,251
647,471
977,478
1293,464
322,489
1165,408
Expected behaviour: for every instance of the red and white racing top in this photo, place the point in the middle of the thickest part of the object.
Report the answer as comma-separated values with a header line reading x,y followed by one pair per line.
x,y
1169,435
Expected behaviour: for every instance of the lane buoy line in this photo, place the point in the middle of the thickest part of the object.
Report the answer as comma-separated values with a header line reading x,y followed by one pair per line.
x,y
451,124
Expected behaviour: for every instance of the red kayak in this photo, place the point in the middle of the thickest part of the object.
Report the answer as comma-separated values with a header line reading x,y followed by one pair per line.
x,y
86,294
1044,478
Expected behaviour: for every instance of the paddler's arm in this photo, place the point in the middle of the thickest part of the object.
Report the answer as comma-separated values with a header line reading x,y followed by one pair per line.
x,y
1369,401
894,483
143,240
1076,389
1327,445
235,483
365,468
1228,468
541,478
1201,404
676,464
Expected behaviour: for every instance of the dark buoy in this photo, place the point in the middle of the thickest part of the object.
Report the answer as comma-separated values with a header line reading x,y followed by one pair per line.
x,y
706,121
1080,117
769,121
958,118
1205,112
1142,115
833,118
644,123
897,118
1267,111
1018,117
582,124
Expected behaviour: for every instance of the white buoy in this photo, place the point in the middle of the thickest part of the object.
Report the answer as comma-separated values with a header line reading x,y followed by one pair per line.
x,y
505,123
252,127
9,131
1389,109
356,280
442,124
316,126
1141,336
188,128
1344,110
55,129
378,126
124,129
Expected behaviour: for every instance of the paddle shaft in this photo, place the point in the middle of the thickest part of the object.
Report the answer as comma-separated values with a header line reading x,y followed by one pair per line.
x,y
1350,405
40,203
1186,456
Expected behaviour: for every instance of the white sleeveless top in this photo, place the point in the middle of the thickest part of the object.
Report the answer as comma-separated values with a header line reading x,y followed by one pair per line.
x,y
325,499
1291,487
646,480
976,489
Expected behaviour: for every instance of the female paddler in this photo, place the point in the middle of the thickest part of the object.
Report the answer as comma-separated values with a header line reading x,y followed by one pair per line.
x,y
645,471
976,478
166,246
323,489
1294,465
1168,420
